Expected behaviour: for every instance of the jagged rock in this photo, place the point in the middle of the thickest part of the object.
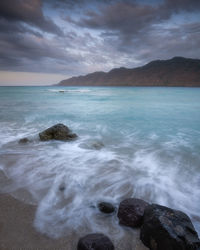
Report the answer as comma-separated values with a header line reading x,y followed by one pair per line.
x,y
24,140
131,212
106,207
57,132
167,229
95,242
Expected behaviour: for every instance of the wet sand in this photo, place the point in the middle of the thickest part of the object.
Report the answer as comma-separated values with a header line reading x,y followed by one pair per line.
x,y
17,231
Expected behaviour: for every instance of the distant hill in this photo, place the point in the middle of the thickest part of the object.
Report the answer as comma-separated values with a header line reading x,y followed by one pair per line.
x,y
178,71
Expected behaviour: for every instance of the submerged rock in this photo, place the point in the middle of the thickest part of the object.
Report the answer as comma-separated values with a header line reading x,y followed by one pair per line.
x,y
131,212
57,132
94,145
24,140
168,229
62,187
95,242
106,207
97,145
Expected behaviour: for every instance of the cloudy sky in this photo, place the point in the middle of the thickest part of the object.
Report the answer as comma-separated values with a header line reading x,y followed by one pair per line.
x,y
45,41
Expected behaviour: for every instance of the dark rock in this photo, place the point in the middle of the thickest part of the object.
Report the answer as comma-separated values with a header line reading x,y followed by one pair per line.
x,y
95,242
57,132
168,229
106,207
24,140
131,212
62,187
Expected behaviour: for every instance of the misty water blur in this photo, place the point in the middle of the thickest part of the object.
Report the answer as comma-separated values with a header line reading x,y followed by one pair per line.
x,y
133,142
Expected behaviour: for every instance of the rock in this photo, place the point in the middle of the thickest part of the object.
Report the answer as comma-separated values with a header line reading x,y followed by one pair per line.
x,y
106,207
62,187
98,145
131,212
24,140
95,242
57,132
168,229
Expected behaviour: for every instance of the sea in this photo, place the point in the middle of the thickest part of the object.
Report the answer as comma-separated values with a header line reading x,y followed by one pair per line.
x,y
141,142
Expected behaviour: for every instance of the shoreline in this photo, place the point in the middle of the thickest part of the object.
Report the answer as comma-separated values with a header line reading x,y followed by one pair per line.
x,y
17,231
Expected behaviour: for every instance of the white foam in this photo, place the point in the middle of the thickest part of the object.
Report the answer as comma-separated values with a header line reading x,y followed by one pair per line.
x,y
129,168
70,90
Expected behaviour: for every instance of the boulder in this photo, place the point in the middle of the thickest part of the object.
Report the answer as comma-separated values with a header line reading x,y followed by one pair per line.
x,y
57,132
106,207
24,140
95,242
167,229
131,211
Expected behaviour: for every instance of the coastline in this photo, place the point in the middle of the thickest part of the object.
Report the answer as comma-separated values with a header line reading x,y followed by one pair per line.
x,y
17,231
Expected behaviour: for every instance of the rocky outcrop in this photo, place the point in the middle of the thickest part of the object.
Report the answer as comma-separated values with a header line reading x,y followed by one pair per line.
x,y
57,132
131,212
178,71
106,207
167,229
95,242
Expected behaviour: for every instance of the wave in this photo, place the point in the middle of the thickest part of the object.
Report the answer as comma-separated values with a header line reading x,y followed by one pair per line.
x,y
154,171
69,90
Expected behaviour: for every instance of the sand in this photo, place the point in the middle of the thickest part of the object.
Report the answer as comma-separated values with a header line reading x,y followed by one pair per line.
x,y
17,231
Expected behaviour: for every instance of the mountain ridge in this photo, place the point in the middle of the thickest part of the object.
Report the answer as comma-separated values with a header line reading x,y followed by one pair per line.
x,y
177,71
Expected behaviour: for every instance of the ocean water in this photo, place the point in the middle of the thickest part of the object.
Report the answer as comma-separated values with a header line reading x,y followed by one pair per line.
x,y
133,142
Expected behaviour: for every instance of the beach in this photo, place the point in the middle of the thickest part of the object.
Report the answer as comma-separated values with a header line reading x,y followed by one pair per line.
x,y
17,231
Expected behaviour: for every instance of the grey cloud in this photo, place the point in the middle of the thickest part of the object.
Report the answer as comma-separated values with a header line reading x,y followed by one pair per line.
x,y
180,5
118,33
17,48
128,18
28,11
12,27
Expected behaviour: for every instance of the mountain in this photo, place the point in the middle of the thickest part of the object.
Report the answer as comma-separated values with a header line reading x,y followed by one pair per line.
x,y
178,71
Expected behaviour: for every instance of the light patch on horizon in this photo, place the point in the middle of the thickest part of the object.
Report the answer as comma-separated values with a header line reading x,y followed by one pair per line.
x,y
29,78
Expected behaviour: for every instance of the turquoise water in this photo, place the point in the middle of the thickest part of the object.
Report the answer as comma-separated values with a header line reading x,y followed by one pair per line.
x,y
151,139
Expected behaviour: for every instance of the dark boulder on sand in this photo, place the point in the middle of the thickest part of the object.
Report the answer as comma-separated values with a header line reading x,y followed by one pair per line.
x,y
167,229
57,132
106,207
131,212
95,242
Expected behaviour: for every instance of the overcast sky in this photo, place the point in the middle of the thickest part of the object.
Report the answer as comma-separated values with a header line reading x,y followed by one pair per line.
x,y
45,41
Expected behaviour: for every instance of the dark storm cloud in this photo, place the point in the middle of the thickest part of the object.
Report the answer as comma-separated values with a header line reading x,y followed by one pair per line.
x,y
27,11
78,37
130,17
137,28
7,27
28,52
123,17
179,5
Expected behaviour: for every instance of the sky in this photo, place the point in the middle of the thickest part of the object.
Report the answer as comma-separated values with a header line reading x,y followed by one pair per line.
x,y
45,41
